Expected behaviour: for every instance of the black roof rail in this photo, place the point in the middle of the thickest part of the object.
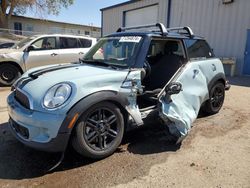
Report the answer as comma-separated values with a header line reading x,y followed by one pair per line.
x,y
164,31
162,28
188,30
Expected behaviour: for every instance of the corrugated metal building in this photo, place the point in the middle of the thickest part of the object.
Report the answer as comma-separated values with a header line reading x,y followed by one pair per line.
x,y
224,23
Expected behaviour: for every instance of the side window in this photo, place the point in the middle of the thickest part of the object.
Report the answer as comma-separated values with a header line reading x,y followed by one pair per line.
x,y
160,48
85,43
46,43
198,49
66,42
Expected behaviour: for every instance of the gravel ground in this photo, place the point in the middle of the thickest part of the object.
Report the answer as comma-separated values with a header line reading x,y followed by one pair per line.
x,y
216,153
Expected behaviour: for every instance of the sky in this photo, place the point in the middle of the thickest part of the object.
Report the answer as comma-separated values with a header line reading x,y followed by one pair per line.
x,y
84,12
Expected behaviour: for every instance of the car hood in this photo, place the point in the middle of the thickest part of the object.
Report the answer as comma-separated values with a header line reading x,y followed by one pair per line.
x,y
84,79
8,50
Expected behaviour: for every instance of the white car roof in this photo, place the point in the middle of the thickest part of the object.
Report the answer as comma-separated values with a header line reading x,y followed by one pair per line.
x,y
64,35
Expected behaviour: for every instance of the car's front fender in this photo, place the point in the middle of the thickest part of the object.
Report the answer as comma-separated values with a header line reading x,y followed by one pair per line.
x,y
80,107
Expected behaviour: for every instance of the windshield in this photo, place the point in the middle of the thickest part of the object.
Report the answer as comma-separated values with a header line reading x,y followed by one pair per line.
x,y
22,43
114,51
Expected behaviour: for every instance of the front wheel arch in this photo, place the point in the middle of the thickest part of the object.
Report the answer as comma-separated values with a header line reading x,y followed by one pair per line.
x,y
82,105
13,63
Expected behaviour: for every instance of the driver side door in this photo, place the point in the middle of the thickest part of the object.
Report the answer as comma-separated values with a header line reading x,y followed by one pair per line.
x,y
44,51
179,110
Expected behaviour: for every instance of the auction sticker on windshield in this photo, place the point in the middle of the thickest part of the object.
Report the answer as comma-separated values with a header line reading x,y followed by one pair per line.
x,y
135,39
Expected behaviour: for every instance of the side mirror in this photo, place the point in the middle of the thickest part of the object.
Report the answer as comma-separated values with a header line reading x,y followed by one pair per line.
x,y
173,88
30,48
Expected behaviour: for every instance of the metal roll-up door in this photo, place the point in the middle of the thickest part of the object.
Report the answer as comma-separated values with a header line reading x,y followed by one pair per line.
x,y
141,16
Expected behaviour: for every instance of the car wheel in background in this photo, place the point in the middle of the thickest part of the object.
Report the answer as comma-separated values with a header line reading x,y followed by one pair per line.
x,y
99,131
8,74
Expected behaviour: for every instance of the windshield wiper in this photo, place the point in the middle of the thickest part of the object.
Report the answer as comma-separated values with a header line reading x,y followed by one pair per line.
x,y
97,62
117,59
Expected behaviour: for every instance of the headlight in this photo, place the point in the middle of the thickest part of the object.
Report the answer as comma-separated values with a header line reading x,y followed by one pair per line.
x,y
57,95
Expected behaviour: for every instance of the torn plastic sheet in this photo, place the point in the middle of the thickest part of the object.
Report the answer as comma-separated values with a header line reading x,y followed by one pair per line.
x,y
182,111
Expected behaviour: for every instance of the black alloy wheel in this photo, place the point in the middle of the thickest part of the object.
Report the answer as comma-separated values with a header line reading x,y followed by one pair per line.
x,y
99,131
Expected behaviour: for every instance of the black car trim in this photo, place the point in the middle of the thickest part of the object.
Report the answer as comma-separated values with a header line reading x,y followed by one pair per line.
x,y
85,103
37,73
216,78
57,144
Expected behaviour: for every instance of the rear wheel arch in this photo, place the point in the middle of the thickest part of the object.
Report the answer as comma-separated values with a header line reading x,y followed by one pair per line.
x,y
217,78
206,106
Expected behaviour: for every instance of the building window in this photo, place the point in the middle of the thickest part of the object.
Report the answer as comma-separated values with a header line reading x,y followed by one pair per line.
x,y
87,33
56,30
29,27
18,28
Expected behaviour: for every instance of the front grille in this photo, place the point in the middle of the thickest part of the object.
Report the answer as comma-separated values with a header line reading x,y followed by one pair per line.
x,y
24,132
22,98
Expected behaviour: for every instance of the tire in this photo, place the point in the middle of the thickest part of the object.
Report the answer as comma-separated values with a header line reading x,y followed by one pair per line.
x,y
8,74
216,99
99,131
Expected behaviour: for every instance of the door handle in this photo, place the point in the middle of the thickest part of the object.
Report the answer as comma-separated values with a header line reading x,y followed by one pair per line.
x,y
213,67
196,72
81,53
54,54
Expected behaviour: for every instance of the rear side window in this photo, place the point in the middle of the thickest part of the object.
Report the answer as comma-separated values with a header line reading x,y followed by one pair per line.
x,y
66,42
198,49
85,43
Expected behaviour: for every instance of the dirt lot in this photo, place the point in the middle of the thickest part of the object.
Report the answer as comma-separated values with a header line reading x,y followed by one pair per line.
x,y
216,153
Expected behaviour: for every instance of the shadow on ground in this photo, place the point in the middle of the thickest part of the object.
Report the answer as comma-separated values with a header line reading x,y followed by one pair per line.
x,y
240,81
20,162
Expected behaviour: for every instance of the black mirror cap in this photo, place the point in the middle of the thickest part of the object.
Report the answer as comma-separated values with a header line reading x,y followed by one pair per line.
x,y
173,88
29,48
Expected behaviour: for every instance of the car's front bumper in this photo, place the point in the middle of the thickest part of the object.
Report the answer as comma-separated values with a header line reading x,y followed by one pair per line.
x,y
57,144
37,129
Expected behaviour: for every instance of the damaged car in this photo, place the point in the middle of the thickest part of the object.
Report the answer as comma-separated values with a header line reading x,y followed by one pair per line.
x,y
123,80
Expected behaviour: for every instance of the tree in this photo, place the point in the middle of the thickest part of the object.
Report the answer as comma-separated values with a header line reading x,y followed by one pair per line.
x,y
17,7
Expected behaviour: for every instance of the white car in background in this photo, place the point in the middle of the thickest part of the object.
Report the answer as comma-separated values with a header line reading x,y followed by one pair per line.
x,y
40,50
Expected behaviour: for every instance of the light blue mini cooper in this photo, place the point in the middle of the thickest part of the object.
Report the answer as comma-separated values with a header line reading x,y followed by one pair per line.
x,y
125,79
